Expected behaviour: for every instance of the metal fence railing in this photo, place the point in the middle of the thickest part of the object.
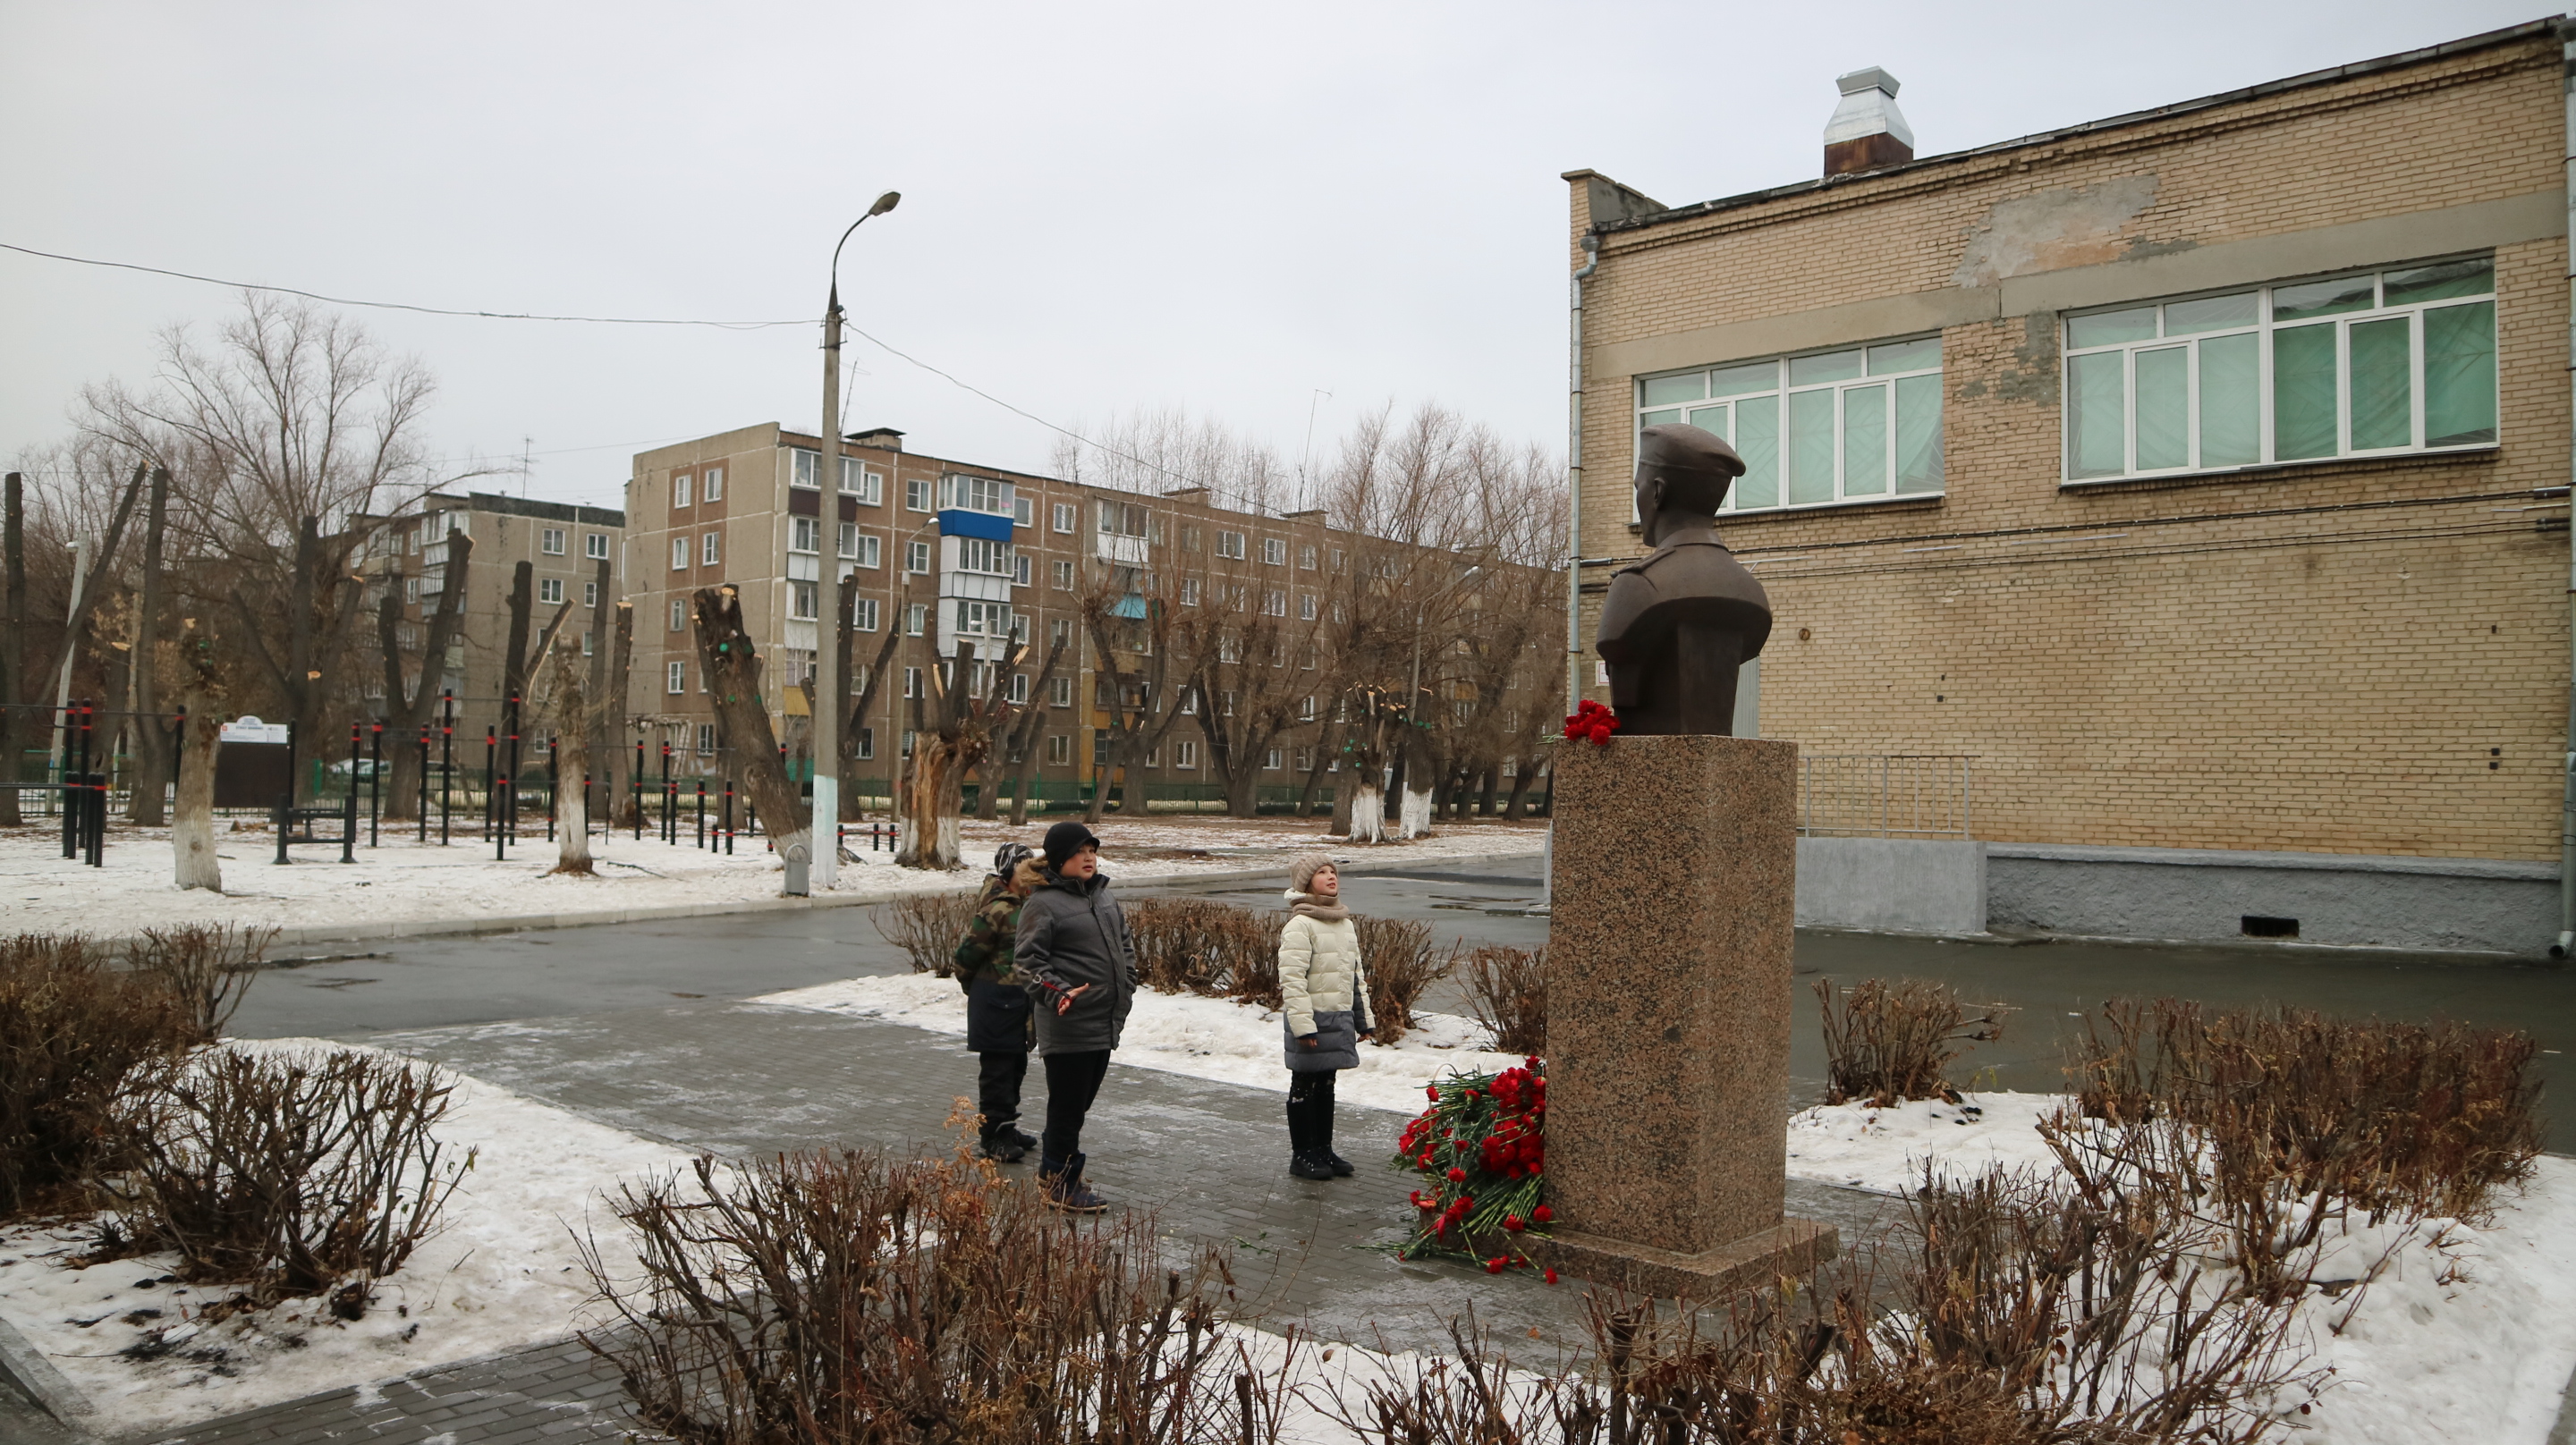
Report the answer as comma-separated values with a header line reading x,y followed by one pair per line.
x,y
1885,795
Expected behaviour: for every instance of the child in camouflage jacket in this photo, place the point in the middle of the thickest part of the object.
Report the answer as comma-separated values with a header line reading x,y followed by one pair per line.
x,y
997,1009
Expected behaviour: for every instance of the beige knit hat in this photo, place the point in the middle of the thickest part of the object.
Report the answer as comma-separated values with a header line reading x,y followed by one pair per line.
x,y
1301,874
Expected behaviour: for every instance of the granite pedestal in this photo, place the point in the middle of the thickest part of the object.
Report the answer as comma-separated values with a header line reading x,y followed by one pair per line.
x,y
1668,1009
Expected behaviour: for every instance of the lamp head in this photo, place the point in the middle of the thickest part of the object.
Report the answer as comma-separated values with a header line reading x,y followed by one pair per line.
x,y
885,203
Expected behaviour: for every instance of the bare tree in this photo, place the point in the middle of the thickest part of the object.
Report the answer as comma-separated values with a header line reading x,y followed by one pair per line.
x,y
1142,644
570,709
406,708
13,637
1020,753
953,736
732,668
204,695
152,742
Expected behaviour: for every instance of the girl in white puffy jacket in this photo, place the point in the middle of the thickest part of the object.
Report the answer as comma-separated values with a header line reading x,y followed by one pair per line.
x,y
1323,997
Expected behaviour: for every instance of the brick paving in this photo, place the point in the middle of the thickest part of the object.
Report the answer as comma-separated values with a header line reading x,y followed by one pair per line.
x,y
741,1079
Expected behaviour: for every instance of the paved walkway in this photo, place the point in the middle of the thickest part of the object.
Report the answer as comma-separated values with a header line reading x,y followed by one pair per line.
x,y
741,1079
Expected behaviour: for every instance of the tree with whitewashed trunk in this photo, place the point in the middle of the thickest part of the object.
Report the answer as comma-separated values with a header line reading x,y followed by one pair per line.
x,y
571,710
192,818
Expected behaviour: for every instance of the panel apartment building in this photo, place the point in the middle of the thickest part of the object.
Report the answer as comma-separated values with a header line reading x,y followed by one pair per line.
x,y
2200,474
564,545
945,551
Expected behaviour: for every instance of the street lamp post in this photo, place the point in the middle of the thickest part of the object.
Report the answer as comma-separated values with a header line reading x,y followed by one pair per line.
x,y
829,698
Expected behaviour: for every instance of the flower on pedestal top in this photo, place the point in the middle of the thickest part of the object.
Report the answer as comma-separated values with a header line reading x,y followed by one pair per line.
x,y
1591,721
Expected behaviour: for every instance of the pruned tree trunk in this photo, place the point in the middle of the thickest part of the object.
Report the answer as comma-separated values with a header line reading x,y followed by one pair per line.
x,y
929,820
1024,737
1315,774
406,708
192,819
732,666
572,761
612,708
1368,812
1523,770
151,740
13,636
514,658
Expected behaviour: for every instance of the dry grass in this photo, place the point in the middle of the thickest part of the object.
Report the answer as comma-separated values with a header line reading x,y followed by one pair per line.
x,y
853,1299
927,927
1885,1042
1507,987
72,1029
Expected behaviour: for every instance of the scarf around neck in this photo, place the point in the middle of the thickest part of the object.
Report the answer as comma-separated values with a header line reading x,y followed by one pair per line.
x,y
1304,905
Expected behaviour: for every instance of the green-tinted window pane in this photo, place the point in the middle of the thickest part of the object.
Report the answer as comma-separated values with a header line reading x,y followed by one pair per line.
x,y
1833,366
2164,408
2383,389
1865,441
1664,390
1737,380
2213,313
2230,403
1918,434
2105,327
1757,440
1898,356
2460,375
1660,418
1811,446
2436,283
2095,443
1710,419
2303,393
2323,298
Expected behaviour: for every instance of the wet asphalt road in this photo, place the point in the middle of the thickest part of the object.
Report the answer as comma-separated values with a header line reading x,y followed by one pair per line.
x,y
438,982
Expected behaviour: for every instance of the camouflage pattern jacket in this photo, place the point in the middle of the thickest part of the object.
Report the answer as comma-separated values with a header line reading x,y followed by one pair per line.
x,y
985,952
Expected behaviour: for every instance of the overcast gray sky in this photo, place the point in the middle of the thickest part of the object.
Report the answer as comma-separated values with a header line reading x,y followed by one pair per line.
x,y
1106,208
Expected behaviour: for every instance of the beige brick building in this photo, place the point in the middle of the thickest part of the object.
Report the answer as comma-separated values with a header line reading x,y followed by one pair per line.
x,y
2201,473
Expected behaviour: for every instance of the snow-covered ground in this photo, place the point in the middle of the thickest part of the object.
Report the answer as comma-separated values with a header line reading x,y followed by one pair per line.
x,y
1207,1038
405,887
503,1272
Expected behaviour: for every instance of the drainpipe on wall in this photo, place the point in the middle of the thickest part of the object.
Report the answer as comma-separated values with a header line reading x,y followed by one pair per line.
x,y
2567,814
1574,484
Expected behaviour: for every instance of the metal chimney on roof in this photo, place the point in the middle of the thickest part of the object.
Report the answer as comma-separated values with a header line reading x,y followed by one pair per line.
x,y
1867,132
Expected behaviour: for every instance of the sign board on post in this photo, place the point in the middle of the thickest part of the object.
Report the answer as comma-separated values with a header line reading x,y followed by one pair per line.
x,y
255,767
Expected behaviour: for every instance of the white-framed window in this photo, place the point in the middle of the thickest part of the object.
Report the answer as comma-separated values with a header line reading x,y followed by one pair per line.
x,y
804,534
1230,544
709,549
679,615
801,465
982,554
1024,510
679,554
863,614
1123,519
1059,748
1062,572
916,557
862,482
1061,514
863,548
1274,603
1858,424
706,739
916,616
1154,757
550,540
1306,708
801,600
1189,592
411,589
988,495
912,682
1306,606
983,619
1060,692
675,678
585,644
1060,632
1225,701
2372,364
1189,537
1189,702
590,594
1020,570
1019,688
1338,560
867,742
594,545
680,489
1306,558
1271,760
712,487
1305,759
1274,551
550,590
1019,627
916,495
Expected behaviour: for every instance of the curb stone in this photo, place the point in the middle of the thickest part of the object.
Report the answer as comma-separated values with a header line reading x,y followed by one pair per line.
x,y
35,1377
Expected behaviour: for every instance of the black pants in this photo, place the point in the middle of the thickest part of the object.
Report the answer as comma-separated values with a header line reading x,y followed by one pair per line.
x,y
1073,1081
998,1075
1314,1090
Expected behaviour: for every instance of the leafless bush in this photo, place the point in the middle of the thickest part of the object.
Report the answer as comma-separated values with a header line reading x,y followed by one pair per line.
x,y
850,1299
1185,945
2411,1119
1253,976
1399,977
279,1172
71,1030
927,927
1507,987
207,967
1888,1042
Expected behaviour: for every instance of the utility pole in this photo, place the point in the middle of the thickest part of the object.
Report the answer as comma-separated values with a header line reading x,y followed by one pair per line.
x,y
71,650
831,693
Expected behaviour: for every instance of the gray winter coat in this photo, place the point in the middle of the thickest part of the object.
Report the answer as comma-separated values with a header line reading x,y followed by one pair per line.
x,y
1072,933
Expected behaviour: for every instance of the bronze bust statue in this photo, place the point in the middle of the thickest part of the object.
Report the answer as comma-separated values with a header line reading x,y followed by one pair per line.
x,y
1677,625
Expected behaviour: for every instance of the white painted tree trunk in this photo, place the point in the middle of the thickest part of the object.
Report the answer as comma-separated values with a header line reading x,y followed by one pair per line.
x,y
572,810
1413,815
1368,814
192,817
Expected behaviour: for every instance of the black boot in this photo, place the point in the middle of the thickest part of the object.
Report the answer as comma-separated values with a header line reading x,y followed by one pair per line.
x,y
1002,1144
1303,1160
1065,1189
1342,1168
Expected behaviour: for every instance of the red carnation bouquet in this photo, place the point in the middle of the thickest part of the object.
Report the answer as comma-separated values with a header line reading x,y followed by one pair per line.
x,y
1593,721
1481,1151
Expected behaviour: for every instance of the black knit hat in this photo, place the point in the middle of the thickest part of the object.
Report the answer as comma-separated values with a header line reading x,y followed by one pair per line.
x,y
1066,839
